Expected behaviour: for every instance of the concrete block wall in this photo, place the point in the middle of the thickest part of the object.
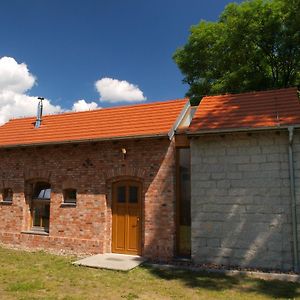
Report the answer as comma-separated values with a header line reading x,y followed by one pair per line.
x,y
296,154
241,207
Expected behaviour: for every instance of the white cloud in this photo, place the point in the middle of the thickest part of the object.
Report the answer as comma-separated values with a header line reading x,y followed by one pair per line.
x,y
113,90
15,77
82,105
15,80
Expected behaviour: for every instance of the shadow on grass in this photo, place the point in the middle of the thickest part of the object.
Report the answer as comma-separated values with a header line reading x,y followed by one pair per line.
x,y
219,282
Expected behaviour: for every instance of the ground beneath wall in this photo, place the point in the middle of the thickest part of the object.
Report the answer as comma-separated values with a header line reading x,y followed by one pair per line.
x,y
39,275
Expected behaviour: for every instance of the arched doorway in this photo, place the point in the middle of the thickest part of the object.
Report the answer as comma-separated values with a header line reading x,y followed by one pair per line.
x,y
126,217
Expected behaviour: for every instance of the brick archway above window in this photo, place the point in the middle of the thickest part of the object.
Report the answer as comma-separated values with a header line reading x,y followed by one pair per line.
x,y
69,184
6,183
112,180
34,175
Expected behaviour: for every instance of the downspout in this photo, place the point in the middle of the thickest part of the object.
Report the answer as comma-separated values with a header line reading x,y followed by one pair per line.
x,y
293,200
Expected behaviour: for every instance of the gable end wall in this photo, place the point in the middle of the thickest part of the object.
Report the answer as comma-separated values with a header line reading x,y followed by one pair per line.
x,y
241,207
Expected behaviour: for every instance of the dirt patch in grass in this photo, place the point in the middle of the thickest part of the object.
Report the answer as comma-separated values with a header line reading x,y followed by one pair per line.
x,y
38,275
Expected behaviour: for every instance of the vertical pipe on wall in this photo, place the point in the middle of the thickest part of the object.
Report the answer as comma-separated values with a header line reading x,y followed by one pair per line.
x,y
293,200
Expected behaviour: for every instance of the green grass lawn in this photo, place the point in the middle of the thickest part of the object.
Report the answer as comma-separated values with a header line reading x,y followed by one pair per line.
x,y
25,275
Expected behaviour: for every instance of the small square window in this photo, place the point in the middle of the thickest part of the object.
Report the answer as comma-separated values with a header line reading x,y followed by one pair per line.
x,y
70,196
7,195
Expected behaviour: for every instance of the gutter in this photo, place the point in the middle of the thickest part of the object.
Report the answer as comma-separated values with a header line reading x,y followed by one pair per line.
x,y
134,137
293,200
238,130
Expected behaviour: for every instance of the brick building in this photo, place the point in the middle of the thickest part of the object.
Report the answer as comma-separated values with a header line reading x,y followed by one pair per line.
x,y
92,182
220,186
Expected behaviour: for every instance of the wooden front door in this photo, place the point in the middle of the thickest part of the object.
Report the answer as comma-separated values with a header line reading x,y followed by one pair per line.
x,y
126,223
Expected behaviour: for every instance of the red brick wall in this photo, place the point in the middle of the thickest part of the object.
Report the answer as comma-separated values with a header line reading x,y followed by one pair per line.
x,y
90,168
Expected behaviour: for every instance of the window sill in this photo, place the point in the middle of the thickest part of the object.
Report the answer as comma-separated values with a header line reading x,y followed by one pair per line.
x,y
35,232
6,202
68,205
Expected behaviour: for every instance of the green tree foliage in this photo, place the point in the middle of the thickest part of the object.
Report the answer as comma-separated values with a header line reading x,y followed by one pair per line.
x,y
254,45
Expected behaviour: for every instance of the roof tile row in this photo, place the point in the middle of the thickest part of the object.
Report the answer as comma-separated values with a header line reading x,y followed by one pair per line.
x,y
267,109
252,110
120,122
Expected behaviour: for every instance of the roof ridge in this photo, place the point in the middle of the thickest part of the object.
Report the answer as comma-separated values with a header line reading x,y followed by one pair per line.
x,y
251,92
100,109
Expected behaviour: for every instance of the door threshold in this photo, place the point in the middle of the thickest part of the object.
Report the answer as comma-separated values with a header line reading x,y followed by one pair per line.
x,y
128,254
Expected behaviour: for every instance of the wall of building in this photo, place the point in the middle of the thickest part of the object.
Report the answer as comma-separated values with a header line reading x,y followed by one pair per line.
x,y
90,168
241,204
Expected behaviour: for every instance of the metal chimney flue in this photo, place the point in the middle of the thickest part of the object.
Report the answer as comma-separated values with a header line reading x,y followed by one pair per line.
x,y
39,113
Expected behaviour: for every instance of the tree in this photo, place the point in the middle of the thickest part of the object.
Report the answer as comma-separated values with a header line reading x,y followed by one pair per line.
x,y
254,45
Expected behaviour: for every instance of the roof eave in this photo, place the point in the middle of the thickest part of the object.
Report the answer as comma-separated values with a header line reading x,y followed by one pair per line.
x,y
159,135
237,130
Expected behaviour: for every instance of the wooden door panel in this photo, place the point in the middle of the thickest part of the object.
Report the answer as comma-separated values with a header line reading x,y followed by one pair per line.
x,y
120,224
126,217
133,233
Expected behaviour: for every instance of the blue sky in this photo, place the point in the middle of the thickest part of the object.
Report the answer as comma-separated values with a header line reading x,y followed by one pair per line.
x,y
69,45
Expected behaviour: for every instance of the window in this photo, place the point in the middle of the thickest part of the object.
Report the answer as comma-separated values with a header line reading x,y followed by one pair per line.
x,y
121,194
133,194
41,213
70,196
40,207
7,195
42,191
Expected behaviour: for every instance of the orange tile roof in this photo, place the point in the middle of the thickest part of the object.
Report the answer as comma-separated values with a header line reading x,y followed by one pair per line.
x,y
254,110
142,120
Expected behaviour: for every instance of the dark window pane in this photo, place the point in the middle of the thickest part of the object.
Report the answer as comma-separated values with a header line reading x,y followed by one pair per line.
x,y
121,194
41,214
44,194
47,211
47,193
133,194
7,195
45,216
70,196
42,191
36,216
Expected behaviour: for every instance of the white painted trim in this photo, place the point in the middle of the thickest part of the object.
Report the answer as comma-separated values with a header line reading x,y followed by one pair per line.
x,y
179,119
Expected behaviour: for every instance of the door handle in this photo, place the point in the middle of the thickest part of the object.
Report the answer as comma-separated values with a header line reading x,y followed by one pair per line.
x,y
137,222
